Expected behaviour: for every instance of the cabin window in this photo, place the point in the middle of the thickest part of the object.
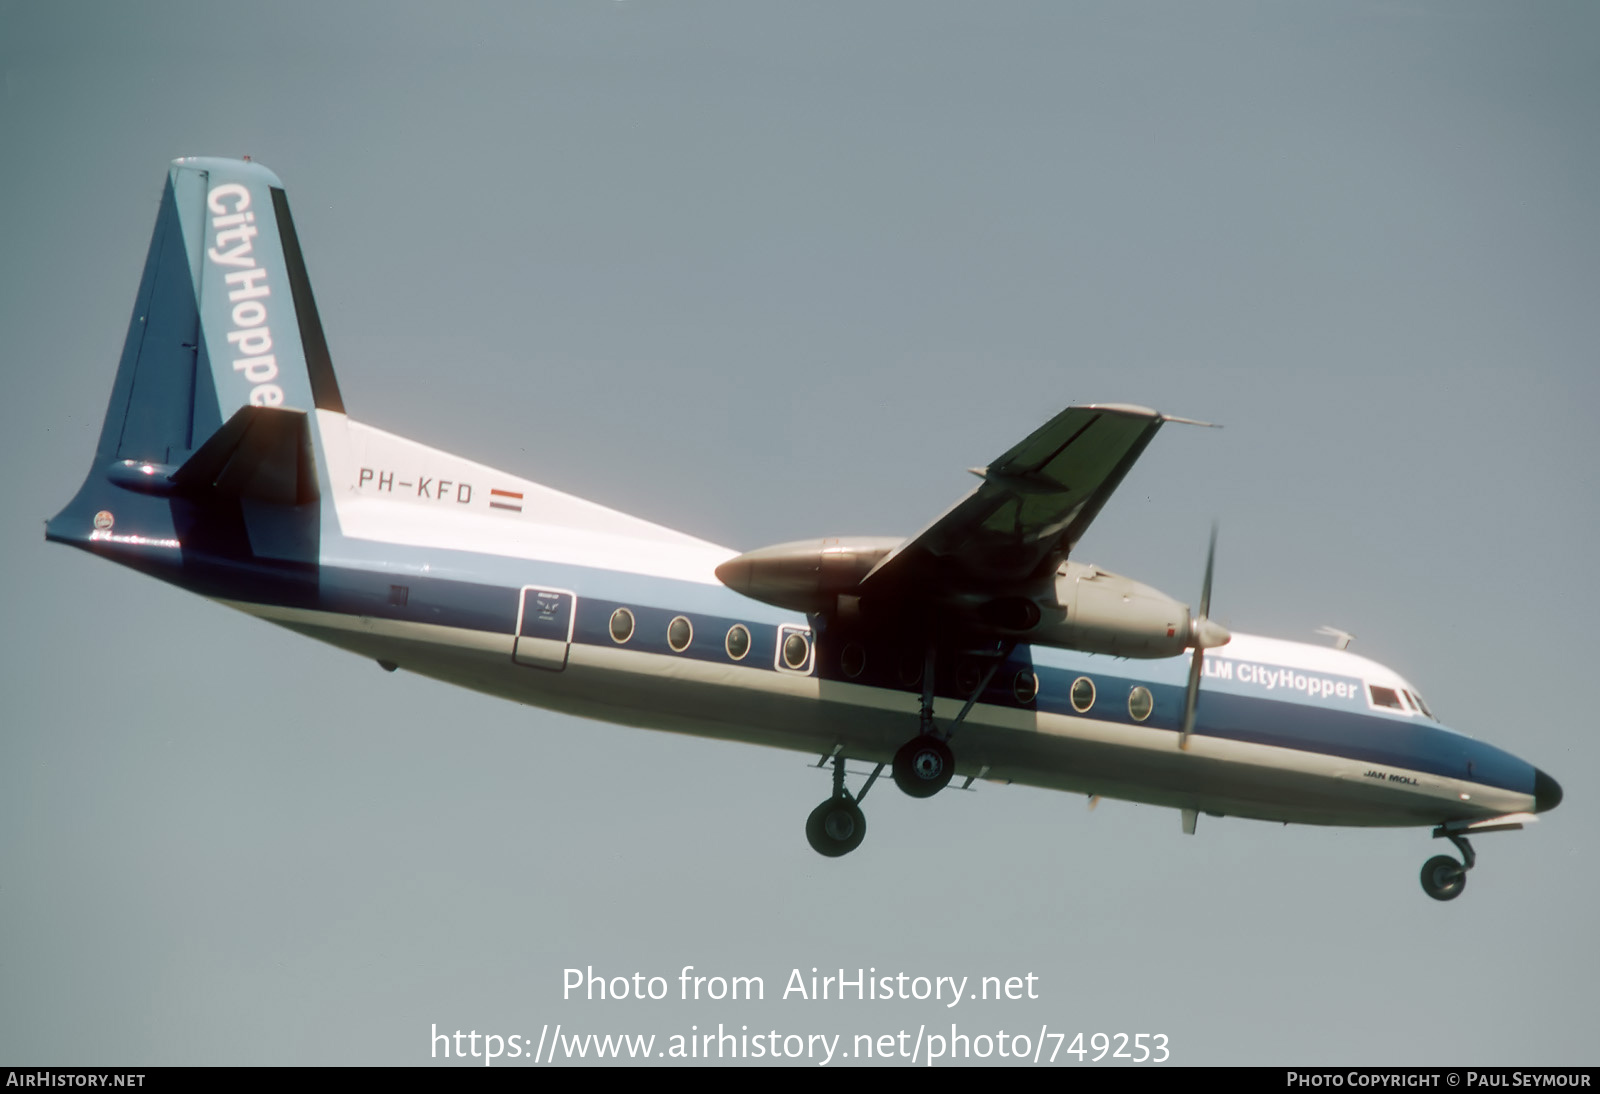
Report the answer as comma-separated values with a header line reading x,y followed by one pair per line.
x,y
1025,687
796,651
1140,704
680,632
738,642
621,625
853,659
1082,694
1387,698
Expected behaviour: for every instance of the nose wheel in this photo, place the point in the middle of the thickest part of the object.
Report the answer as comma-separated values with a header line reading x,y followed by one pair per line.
x,y
1443,878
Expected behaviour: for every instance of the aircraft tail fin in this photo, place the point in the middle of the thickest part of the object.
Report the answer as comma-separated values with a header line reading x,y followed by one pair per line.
x,y
224,363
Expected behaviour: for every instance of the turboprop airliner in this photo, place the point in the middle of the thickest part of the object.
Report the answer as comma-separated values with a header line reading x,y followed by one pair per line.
x,y
980,648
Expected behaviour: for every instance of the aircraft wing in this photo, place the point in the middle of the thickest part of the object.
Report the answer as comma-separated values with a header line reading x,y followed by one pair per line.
x,y
1034,504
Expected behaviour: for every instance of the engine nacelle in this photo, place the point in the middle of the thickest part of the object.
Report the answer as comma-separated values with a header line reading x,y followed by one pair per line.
x,y
808,575
1102,612
1087,608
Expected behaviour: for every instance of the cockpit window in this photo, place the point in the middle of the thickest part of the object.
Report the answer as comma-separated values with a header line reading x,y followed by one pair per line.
x,y
1385,697
1416,701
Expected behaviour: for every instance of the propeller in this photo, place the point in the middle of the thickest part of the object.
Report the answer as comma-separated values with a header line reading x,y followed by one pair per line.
x,y
1203,634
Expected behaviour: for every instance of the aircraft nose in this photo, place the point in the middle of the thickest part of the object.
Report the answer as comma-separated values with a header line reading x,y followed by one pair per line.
x,y
1546,792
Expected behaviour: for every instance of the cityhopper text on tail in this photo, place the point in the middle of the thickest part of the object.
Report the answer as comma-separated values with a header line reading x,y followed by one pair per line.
x,y
981,647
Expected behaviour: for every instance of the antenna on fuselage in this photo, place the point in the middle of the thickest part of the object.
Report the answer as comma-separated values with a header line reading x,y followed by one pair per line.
x,y
1341,639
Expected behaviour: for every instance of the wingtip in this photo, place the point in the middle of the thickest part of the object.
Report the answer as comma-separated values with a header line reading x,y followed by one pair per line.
x,y
1134,410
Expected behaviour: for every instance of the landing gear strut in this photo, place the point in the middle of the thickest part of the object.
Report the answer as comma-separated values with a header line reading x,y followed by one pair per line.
x,y
924,764
837,826
1443,878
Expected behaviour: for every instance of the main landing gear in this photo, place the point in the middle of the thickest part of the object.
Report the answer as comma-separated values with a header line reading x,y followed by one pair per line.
x,y
837,826
1443,878
924,764
922,767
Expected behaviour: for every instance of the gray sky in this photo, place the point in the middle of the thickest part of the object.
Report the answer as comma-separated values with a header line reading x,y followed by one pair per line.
x,y
764,272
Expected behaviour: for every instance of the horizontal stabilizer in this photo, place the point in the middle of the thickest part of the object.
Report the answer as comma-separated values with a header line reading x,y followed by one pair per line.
x,y
262,453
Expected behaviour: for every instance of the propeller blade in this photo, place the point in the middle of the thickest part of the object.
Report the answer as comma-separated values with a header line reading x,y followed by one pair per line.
x,y
1204,632
1191,697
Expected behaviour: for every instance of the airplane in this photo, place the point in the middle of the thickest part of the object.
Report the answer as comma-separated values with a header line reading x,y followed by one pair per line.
x,y
979,648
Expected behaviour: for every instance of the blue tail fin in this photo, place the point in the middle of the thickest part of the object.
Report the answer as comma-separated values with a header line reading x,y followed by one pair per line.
x,y
224,330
